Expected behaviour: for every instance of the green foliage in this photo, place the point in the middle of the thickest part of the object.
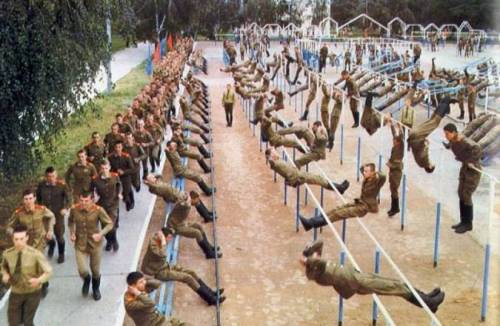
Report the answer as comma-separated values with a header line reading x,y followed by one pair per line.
x,y
50,50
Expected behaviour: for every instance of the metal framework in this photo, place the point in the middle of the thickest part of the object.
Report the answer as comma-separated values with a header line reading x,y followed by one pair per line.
x,y
394,20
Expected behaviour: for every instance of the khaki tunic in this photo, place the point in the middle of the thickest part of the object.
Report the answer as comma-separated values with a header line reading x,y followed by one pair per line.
x,y
367,203
82,175
317,150
325,101
39,221
352,91
56,198
142,309
184,150
467,152
96,153
180,170
395,162
418,142
294,177
84,223
108,190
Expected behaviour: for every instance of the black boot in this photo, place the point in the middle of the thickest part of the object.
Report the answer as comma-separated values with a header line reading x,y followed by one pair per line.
x,y
204,212
342,187
205,138
443,107
355,116
331,139
205,129
314,222
304,116
60,247
96,282
204,187
45,289
219,254
432,302
454,226
52,246
203,151
221,290
86,285
467,221
204,166
394,207
207,295
207,249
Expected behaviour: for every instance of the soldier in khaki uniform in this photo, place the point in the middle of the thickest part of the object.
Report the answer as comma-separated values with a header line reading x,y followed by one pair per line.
x,y
112,137
312,86
228,104
181,171
82,172
268,133
471,101
96,150
25,269
157,133
279,101
323,54
179,214
395,165
190,141
187,115
183,150
352,93
137,154
155,264
107,187
348,281
140,307
417,137
366,203
190,127
144,138
469,153
40,223
258,107
55,195
122,164
317,149
294,177
83,223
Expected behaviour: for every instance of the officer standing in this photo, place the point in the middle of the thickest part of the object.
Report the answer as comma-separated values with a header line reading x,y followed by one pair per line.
x,y
155,263
107,186
228,103
83,223
25,269
347,280
367,202
82,172
55,195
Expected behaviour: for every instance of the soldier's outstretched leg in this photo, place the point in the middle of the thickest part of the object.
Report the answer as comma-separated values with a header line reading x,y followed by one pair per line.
x,y
205,188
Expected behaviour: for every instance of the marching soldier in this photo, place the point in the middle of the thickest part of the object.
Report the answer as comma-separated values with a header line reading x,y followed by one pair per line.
x,y
112,137
83,223
82,172
55,195
144,138
140,307
469,153
366,203
179,214
182,171
107,187
25,269
123,126
294,177
122,164
96,150
348,281
155,264
138,155
157,133
39,221
395,165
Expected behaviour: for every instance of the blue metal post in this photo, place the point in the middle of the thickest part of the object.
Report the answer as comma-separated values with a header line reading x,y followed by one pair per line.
x,y
305,195
486,276
376,270
403,203
341,301
436,233
358,159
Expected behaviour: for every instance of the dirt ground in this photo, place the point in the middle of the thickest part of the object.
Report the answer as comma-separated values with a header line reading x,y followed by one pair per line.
x,y
263,280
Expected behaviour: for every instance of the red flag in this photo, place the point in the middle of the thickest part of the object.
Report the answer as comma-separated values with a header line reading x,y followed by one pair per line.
x,y
156,56
170,42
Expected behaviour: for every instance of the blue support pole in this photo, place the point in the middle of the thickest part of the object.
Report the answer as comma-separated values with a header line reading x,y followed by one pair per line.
x,y
358,159
486,275
341,301
376,270
297,209
403,203
341,144
436,233
344,230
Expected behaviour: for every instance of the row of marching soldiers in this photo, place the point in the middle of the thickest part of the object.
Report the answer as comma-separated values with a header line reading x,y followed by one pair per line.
x,y
106,170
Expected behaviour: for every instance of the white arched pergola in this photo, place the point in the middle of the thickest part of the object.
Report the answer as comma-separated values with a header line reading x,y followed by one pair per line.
x,y
363,16
411,26
332,22
428,28
272,30
292,28
448,27
394,20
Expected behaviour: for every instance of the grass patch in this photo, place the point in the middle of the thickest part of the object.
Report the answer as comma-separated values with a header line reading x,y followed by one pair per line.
x,y
117,43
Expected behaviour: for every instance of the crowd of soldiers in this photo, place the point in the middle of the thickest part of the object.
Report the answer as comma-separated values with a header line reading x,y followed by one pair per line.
x,y
107,170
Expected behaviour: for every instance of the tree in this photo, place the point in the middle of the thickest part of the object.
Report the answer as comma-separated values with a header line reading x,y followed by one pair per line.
x,y
50,51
